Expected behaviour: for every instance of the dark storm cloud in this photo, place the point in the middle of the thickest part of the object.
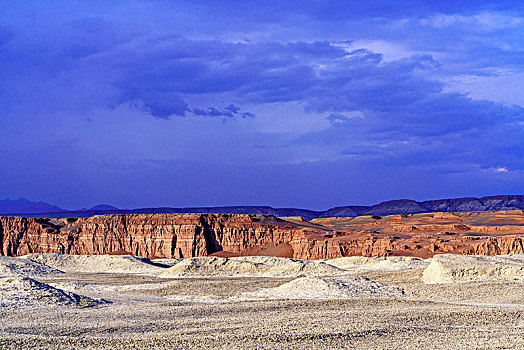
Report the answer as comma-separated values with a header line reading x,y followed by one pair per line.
x,y
162,104
230,111
362,83
265,72
158,71
212,112
397,99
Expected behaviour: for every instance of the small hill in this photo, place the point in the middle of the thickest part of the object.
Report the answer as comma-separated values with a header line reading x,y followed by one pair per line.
x,y
10,266
328,288
103,207
96,263
249,266
19,292
446,268
24,206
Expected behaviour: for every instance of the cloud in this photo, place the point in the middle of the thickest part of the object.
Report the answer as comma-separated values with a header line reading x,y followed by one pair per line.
x,y
232,108
403,107
212,112
230,111
343,92
406,113
345,120
339,10
162,104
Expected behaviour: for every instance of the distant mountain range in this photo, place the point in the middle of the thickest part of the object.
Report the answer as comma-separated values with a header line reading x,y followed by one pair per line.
x,y
8,206
24,207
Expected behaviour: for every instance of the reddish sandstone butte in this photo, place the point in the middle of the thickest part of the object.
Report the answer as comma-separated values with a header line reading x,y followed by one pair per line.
x,y
189,235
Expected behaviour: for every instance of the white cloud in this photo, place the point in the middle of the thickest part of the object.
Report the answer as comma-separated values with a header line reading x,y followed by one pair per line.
x,y
390,51
485,21
505,88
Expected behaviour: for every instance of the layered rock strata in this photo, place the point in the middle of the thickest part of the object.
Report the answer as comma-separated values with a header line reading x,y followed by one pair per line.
x,y
191,235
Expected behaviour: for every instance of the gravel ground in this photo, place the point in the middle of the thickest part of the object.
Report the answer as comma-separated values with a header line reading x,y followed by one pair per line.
x,y
428,316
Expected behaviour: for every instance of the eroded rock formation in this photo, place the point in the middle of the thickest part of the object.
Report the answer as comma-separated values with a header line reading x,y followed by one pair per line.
x,y
190,235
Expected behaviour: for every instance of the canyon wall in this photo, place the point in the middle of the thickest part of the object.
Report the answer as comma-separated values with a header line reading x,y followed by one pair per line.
x,y
190,235
169,235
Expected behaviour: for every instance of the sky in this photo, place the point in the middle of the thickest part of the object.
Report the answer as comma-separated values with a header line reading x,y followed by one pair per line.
x,y
309,104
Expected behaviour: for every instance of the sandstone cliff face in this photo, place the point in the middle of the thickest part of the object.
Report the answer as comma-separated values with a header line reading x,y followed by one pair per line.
x,y
176,236
190,235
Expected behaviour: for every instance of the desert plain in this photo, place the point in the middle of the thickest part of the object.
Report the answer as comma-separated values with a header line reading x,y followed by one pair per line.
x,y
449,301
225,281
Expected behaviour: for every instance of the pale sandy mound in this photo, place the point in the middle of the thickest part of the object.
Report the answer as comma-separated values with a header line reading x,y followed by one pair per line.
x,y
463,268
10,266
97,263
256,266
378,263
328,288
17,292
167,261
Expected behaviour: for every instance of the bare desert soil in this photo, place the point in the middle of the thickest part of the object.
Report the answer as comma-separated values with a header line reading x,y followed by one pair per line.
x,y
390,308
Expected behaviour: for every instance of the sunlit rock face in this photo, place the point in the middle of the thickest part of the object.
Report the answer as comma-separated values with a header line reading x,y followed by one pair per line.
x,y
192,235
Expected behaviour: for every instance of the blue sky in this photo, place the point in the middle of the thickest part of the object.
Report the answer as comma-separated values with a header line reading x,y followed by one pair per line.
x,y
312,104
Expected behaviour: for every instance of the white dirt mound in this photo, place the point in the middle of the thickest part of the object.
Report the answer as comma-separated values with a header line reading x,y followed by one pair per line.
x,y
97,263
447,268
328,288
10,266
256,266
17,292
378,263
167,261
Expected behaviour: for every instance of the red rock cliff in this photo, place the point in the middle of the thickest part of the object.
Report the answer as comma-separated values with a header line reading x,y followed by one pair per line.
x,y
189,235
